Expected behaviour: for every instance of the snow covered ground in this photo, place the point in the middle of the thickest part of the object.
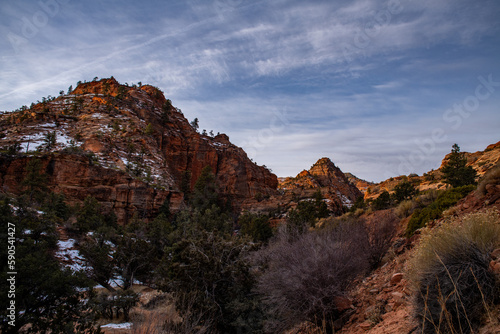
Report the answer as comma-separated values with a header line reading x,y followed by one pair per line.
x,y
32,142
70,256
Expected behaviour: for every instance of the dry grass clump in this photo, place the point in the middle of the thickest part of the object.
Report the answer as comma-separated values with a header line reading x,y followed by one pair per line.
x,y
450,268
154,315
491,177
405,208
152,321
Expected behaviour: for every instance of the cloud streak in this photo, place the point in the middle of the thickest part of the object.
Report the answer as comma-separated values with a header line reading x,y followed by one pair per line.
x,y
360,81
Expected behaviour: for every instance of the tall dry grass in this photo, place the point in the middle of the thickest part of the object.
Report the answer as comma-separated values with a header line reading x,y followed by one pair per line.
x,y
451,270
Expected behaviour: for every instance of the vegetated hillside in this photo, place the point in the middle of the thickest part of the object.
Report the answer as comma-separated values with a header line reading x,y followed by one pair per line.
x,y
387,300
481,161
126,146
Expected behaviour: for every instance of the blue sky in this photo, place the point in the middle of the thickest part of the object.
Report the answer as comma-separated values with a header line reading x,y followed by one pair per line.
x,y
382,88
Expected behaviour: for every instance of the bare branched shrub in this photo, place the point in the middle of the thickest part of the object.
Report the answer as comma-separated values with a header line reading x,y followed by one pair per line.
x,y
381,228
305,275
451,269
194,321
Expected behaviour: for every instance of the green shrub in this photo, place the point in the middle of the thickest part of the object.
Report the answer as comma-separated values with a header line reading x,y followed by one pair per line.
x,y
89,216
404,191
308,212
383,201
256,226
12,149
450,269
212,283
114,304
358,204
435,209
406,208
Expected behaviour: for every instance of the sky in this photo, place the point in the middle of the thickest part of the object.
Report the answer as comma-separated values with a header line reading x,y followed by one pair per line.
x,y
382,88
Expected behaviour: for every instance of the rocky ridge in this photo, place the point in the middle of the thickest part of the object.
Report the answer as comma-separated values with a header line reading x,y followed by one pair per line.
x,y
131,149
126,146
481,161
335,187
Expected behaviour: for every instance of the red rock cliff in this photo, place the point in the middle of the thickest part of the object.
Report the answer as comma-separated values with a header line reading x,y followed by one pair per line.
x,y
141,149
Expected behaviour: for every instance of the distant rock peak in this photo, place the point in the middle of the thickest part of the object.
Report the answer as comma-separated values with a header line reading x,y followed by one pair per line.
x,y
327,178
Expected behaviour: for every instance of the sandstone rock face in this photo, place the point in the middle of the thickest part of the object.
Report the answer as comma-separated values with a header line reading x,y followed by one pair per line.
x,y
76,178
361,184
126,146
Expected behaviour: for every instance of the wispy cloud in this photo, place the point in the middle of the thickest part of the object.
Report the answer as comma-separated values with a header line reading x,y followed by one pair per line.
x,y
360,81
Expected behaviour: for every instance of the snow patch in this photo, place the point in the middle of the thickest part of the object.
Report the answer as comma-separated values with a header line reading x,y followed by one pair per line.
x,y
63,139
43,125
98,115
32,142
70,255
125,325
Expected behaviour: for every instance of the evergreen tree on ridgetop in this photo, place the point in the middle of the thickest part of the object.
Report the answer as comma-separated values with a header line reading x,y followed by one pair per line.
x,y
455,172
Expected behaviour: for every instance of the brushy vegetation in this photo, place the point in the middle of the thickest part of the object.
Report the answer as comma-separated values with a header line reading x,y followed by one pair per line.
x,y
256,226
51,297
450,268
405,191
406,208
381,228
492,177
433,211
308,212
304,274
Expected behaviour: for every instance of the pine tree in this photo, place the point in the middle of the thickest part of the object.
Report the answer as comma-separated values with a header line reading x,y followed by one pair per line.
x,y
35,181
47,297
195,124
455,172
149,129
89,217
404,191
49,140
